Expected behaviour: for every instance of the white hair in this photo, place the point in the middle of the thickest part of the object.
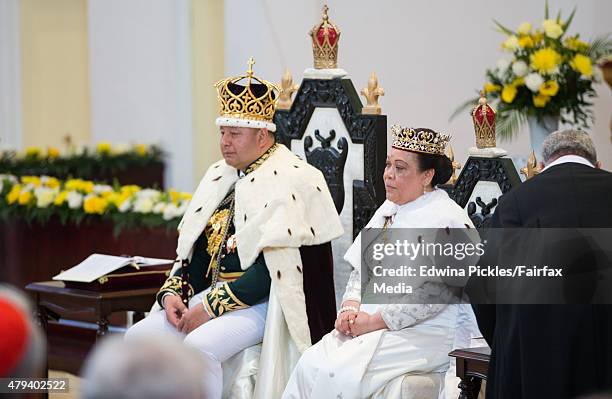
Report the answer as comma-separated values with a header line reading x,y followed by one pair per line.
x,y
568,142
146,368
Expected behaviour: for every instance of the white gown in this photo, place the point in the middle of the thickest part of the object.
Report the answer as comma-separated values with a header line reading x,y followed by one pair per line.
x,y
418,338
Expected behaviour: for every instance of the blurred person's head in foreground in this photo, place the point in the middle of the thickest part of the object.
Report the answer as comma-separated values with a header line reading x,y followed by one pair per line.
x,y
22,345
148,368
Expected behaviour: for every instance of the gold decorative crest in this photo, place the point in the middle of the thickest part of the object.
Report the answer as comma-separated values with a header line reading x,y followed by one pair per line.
x,y
422,140
483,116
245,100
455,165
287,90
371,93
532,168
325,37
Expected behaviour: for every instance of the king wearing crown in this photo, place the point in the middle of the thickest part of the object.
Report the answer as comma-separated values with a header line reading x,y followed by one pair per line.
x,y
254,253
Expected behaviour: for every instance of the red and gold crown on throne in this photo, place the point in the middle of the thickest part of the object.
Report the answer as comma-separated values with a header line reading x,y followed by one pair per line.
x,y
483,116
247,101
422,140
325,36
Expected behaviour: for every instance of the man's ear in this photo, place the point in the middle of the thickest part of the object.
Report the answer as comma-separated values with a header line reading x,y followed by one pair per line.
x,y
261,136
598,164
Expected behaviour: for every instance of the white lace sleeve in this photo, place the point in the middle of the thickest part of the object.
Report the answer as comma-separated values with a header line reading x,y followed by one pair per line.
x,y
353,287
398,316
401,316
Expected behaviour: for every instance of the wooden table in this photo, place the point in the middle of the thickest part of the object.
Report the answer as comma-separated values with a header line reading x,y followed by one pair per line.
x,y
53,299
472,367
67,345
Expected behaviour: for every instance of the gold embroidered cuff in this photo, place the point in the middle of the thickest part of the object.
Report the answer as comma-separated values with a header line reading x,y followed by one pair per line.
x,y
221,300
173,285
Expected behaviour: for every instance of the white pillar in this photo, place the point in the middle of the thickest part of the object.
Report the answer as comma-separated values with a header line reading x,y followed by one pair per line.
x,y
10,75
140,62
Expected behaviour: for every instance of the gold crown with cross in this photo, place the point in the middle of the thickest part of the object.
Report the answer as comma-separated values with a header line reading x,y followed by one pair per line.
x,y
247,101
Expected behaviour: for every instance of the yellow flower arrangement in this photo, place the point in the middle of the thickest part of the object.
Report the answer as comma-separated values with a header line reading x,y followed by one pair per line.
x,y
38,198
548,74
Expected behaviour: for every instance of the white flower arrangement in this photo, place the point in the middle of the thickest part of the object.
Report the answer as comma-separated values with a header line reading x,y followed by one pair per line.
x,y
40,198
550,74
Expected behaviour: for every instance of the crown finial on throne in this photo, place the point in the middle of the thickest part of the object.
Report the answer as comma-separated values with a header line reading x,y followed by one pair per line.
x,y
483,116
325,36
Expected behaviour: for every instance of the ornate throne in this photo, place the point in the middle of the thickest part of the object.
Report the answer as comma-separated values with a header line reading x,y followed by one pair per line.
x,y
487,173
325,125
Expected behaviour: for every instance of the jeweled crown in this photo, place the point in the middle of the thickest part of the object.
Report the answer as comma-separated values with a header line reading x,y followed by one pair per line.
x,y
422,140
246,101
483,116
325,36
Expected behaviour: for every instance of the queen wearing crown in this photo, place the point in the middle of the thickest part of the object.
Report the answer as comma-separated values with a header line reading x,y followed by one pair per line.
x,y
373,347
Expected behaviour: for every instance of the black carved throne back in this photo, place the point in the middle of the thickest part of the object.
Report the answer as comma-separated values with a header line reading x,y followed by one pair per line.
x,y
330,161
497,170
367,130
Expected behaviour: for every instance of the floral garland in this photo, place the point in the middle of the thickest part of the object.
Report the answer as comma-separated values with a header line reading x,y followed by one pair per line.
x,y
38,198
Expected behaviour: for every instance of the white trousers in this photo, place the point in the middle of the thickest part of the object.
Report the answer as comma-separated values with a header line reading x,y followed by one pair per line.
x,y
217,340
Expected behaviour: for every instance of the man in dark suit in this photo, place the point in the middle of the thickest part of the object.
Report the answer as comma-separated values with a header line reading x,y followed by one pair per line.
x,y
553,351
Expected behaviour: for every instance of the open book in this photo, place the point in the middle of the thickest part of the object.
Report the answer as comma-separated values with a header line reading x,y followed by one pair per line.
x,y
98,265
